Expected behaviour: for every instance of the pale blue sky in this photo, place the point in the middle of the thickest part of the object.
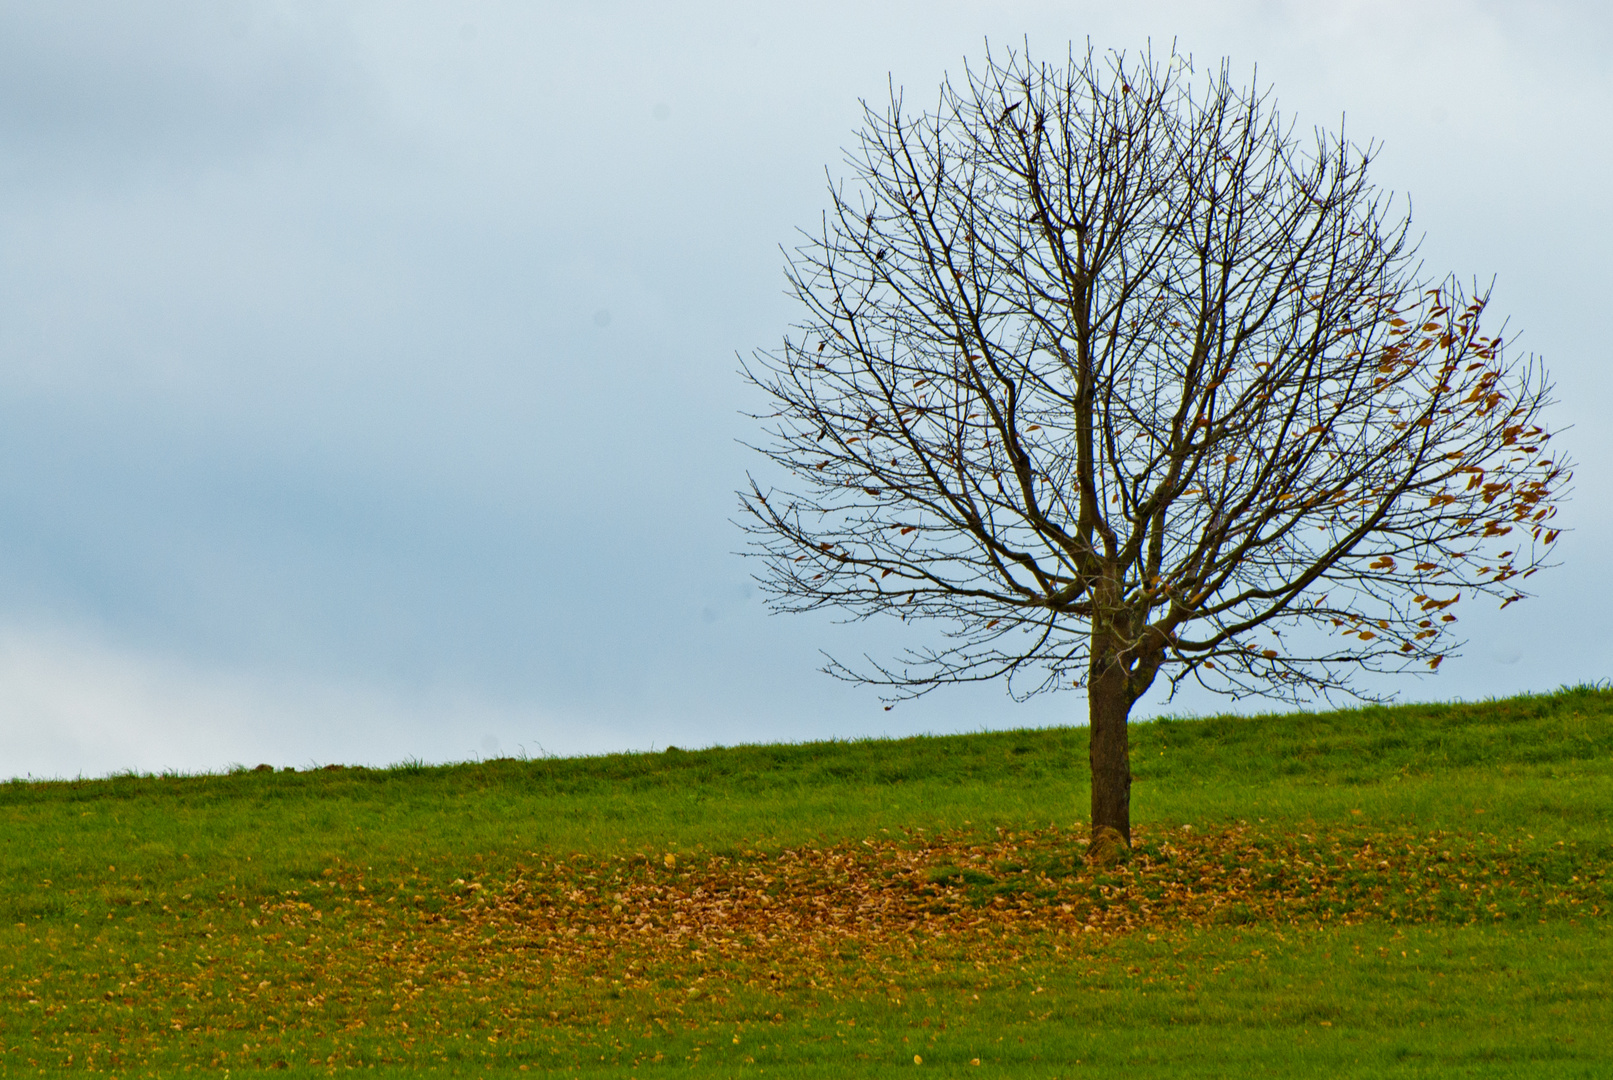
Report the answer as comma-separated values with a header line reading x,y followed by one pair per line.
x,y
367,371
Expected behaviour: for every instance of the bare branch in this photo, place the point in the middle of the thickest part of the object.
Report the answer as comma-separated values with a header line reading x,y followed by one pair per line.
x,y
1107,374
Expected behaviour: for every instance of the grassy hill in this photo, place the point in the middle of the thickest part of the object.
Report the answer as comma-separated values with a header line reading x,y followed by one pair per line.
x,y
1412,890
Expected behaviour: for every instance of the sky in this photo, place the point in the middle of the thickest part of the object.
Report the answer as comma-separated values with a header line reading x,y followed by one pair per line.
x,y
368,371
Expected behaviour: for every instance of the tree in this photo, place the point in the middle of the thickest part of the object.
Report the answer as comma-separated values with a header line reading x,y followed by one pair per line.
x,y
1112,376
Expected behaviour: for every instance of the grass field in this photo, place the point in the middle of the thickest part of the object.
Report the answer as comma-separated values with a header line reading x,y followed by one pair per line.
x,y
1411,891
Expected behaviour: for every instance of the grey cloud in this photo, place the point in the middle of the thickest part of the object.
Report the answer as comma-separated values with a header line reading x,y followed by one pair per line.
x,y
98,91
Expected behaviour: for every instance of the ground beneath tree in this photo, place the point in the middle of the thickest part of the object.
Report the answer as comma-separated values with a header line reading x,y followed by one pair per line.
x,y
807,900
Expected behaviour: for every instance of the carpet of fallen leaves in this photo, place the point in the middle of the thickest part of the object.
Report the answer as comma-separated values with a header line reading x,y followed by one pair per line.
x,y
873,891
358,967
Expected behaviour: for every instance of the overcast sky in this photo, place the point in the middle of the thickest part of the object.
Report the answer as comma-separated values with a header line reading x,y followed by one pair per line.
x,y
367,371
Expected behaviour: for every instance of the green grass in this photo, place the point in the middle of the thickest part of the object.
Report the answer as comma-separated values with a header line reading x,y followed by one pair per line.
x,y
431,917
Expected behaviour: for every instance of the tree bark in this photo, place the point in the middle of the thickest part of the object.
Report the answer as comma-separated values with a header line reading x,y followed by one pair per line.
x,y
1109,702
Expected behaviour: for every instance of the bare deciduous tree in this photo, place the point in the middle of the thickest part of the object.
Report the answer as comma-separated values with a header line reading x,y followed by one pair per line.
x,y
1110,374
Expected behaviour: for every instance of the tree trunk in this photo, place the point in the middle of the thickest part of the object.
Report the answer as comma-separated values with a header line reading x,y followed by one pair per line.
x,y
1109,702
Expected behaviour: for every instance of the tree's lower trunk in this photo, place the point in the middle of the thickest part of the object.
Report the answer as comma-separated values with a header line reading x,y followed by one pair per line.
x,y
1109,702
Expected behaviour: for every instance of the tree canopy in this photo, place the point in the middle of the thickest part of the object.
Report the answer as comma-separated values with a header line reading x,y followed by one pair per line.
x,y
1112,377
